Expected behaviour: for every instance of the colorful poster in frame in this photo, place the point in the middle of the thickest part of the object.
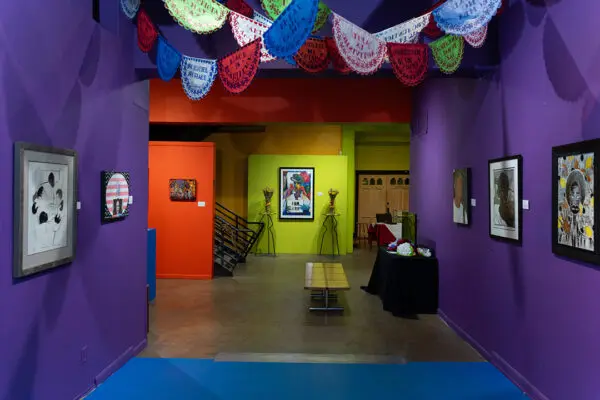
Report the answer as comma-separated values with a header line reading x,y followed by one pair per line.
x,y
115,196
182,189
574,216
505,198
296,193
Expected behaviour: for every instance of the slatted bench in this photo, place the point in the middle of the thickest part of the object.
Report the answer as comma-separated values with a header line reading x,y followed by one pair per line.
x,y
325,278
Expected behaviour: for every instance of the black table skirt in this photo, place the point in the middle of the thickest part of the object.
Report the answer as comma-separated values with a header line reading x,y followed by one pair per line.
x,y
406,285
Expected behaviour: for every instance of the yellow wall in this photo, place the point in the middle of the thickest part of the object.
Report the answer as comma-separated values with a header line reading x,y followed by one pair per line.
x,y
379,158
233,150
348,149
300,237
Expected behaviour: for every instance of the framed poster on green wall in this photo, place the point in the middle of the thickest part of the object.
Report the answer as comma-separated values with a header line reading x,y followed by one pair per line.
x,y
296,194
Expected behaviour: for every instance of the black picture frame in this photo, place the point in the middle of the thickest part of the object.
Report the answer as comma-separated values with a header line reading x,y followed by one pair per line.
x,y
282,217
563,152
117,208
54,201
513,234
466,173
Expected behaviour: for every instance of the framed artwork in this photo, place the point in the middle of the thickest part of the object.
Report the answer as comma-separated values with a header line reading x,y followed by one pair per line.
x,y
182,189
505,192
574,216
296,194
461,185
115,192
45,197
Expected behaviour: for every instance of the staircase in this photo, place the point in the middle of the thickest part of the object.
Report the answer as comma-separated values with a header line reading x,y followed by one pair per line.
x,y
234,238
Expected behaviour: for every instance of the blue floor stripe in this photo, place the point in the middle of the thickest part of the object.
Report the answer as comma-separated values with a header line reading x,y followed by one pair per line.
x,y
182,379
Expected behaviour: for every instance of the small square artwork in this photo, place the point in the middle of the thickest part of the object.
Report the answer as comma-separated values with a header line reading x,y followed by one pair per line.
x,y
460,196
116,189
574,213
296,188
505,192
182,189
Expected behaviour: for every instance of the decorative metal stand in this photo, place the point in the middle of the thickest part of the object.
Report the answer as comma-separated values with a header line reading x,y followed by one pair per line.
x,y
267,216
330,225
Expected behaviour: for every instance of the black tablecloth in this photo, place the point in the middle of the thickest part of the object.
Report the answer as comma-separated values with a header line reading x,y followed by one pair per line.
x,y
406,285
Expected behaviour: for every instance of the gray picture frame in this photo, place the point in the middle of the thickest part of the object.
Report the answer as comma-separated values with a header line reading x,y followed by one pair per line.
x,y
26,262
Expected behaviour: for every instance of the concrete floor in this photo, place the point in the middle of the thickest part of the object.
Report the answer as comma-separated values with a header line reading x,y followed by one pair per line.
x,y
261,313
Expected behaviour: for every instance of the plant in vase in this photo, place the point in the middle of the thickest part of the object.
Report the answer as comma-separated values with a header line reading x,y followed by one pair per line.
x,y
268,193
332,195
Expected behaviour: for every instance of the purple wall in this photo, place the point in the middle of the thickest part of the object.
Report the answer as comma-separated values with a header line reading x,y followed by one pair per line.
x,y
66,82
533,314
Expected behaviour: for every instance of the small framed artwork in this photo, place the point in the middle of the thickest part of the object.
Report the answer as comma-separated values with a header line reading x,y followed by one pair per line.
x,y
505,192
45,197
182,189
461,181
574,216
296,194
115,192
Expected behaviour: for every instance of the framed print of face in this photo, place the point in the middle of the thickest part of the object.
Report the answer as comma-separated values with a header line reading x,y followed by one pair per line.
x,y
460,196
296,194
45,197
574,216
505,192
115,192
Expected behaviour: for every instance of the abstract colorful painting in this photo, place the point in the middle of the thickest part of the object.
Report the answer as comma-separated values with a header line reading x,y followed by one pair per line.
x,y
115,195
574,213
296,193
182,189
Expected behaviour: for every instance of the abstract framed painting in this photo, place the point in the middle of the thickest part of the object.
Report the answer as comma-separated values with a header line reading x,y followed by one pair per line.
x,y
461,185
505,197
182,189
44,208
114,196
296,194
574,215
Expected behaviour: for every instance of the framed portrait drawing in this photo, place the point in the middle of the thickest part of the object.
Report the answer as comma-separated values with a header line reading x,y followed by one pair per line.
x,y
296,194
461,206
574,216
182,189
114,195
505,193
45,196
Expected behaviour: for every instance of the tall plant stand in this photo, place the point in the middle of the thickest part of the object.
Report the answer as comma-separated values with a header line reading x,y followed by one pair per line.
x,y
267,217
330,224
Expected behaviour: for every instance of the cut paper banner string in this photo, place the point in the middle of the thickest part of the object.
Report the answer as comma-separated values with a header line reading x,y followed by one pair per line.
x,y
146,31
313,56
199,16
197,76
167,60
432,30
246,30
238,69
240,7
477,38
262,19
130,7
406,32
291,28
336,58
274,8
448,52
409,62
461,17
362,52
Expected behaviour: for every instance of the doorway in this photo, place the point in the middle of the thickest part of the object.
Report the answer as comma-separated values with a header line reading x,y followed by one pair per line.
x,y
378,192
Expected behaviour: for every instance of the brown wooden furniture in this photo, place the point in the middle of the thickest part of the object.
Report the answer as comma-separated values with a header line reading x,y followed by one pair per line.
x,y
324,279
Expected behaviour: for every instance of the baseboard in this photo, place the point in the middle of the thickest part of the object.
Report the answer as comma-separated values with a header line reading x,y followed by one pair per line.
x,y
494,358
183,276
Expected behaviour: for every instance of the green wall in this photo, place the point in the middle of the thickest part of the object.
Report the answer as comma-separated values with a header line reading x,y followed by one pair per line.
x,y
383,158
348,145
300,237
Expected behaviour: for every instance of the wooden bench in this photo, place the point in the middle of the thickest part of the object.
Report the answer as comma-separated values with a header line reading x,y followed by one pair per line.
x,y
325,278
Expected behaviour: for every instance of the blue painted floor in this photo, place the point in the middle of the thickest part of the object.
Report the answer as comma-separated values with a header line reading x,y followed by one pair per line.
x,y
202,379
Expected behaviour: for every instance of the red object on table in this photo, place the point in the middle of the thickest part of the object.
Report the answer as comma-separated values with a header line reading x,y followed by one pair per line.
x,y
384,236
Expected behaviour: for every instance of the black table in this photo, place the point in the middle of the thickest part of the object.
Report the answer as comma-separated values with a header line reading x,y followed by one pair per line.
x,y
406,285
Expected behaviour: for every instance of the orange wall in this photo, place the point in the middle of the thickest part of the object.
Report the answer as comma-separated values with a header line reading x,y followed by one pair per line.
x,y
233,150
184,231
363,99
